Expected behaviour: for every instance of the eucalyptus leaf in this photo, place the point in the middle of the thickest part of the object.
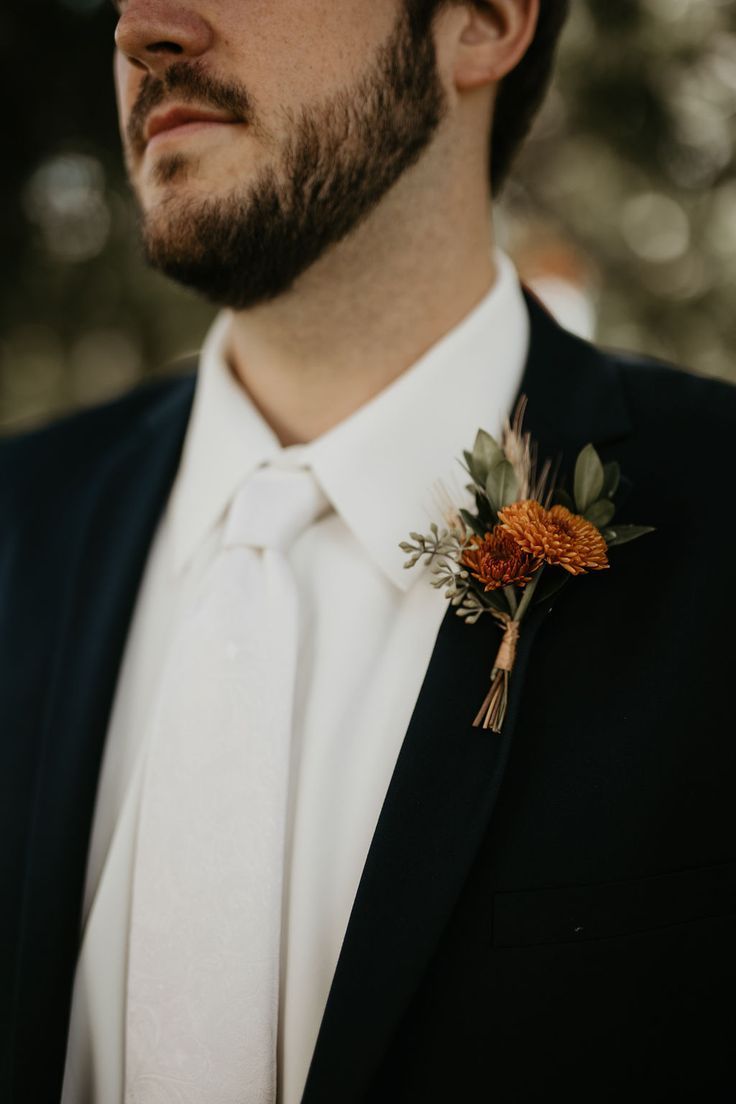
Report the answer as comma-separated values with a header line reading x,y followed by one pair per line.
x,y
611,477
486,453
470,616
474,471
502,485
588,478
622,534
600,513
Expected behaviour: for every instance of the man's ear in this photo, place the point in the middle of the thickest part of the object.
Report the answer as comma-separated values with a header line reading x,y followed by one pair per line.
x,y
493,39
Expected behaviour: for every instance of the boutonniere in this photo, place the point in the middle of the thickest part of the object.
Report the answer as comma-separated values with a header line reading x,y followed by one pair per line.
x,y
523,541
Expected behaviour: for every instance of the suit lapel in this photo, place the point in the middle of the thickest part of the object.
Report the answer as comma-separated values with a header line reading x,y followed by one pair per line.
x,y
448,774
103,537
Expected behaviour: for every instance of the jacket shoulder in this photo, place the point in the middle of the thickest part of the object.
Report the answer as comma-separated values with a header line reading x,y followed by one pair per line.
x,y
668,399
47,457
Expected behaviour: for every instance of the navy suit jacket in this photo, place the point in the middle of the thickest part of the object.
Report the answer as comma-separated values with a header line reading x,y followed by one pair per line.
x,y
546,911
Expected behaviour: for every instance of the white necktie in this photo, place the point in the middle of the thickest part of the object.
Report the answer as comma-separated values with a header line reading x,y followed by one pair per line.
x,y
203,968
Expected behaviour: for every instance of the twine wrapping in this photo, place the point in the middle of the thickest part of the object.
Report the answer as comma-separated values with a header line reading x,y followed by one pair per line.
x,y
492,712
507,650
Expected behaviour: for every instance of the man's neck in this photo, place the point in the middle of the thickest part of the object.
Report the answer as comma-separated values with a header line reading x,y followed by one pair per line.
x,y
359,318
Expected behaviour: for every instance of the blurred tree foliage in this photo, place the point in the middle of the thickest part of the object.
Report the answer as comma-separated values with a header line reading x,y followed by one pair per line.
x,y
628,180
632,161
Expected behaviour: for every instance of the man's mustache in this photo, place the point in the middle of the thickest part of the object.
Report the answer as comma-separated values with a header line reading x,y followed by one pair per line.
x,y
194,85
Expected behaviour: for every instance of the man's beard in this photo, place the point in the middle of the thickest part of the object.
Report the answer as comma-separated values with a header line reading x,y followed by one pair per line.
x,y
249,246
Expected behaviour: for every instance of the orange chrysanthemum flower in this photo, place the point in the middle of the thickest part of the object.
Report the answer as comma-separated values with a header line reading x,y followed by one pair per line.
x,y
496,560
556,536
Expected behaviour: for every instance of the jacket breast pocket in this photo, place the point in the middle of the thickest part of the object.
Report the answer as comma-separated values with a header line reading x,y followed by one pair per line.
x,y
576,913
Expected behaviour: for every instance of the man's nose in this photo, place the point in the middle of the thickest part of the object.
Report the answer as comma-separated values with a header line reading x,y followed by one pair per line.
x,y
151,33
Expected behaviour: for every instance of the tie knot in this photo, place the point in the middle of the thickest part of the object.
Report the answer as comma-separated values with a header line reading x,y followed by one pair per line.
x,y
272,507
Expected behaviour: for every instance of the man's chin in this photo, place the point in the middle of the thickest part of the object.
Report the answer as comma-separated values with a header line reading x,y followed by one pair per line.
x,y
158,176
208,255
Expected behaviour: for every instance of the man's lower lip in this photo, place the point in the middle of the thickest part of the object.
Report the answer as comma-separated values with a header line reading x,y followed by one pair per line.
x,y
184,130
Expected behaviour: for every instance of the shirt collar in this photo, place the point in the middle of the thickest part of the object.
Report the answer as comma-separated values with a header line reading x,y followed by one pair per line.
x,y
381,467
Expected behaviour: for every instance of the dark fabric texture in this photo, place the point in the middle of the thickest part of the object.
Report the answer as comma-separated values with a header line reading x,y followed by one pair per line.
x,y
546,911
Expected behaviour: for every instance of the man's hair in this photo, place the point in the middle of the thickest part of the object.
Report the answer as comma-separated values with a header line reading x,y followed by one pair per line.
x,y
521,92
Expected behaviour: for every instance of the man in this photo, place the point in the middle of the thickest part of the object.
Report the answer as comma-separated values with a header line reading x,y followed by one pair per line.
x,y
255,849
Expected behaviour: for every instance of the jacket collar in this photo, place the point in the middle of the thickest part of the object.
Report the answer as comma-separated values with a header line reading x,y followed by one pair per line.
x,y
575,392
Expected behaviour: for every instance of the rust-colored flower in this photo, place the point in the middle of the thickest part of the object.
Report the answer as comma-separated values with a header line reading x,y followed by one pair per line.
x,y
556,536
496,560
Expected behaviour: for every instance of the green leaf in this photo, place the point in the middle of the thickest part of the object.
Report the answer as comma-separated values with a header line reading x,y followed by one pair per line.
x,y
601,512
611,478
474,471
502,486
622,534
486,453
485,511
588,478
473,523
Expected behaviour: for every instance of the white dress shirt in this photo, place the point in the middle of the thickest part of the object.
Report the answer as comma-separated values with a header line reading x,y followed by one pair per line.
x,y
367,630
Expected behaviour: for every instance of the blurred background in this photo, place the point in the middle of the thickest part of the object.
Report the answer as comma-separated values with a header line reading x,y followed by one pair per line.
x,y
621,213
